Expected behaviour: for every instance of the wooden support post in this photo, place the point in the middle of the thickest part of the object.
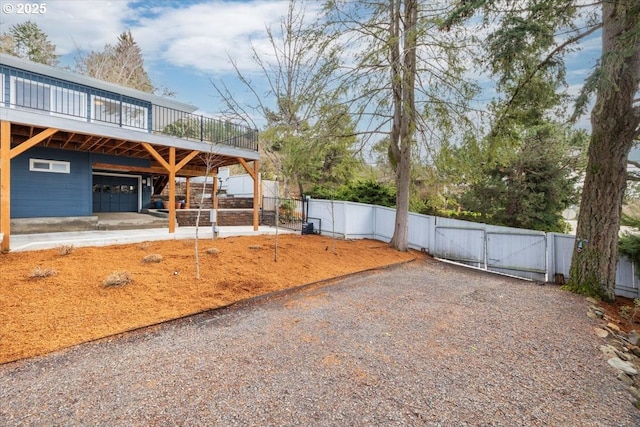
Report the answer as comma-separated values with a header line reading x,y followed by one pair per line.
x,y
172,189
188,195
256,196
214,191
171,168
5,185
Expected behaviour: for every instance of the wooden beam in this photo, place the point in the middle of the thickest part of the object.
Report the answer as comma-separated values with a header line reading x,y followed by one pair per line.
x,y
5,185
256,196
246,167
156,170
31,142
186,160
157,156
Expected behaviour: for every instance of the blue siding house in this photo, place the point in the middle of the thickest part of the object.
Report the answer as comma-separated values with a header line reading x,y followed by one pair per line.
x,y
73,146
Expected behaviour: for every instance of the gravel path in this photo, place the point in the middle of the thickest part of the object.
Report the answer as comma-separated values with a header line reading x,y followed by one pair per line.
x,y
423,344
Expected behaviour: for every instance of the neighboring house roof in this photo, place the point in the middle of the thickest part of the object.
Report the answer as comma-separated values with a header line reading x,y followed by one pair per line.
x,y
70,76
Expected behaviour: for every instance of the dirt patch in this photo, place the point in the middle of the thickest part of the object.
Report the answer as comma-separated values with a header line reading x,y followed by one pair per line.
x,y
72,302
623,312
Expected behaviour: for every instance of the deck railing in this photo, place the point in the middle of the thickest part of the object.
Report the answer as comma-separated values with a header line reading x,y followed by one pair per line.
x,y
198,127
26,90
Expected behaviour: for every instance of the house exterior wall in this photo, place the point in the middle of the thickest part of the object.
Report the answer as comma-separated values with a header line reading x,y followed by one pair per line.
x,y
46,194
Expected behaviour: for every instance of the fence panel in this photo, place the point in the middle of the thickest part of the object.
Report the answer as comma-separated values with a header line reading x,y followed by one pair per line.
x,y
523,253
465,245
359,220
626,280
331,215
421,230
241,186
518,254
383,223
561,248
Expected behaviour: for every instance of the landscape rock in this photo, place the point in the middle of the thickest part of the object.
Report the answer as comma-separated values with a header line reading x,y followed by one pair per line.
x,y
635,350
613,327
621,350
609,351
626,379
623,366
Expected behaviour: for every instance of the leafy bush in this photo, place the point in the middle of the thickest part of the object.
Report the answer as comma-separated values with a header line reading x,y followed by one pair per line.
x,y
629,246
369,192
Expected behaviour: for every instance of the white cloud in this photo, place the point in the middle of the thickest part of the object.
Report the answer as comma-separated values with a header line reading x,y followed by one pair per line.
x,y
198,36
203,35
72,24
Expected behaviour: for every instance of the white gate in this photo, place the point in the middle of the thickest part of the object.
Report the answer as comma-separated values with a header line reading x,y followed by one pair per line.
x,y
518,254
461,244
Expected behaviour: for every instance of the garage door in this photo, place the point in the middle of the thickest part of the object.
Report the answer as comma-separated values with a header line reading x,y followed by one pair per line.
x,y
115,193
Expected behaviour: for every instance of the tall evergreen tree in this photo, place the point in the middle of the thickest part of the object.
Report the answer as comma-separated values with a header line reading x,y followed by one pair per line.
x,y
28,41
532,36
121,64
404,78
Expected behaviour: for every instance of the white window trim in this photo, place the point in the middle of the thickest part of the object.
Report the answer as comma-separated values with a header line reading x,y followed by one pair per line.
x,y
52,98
83,104
51,166
125,105
14,92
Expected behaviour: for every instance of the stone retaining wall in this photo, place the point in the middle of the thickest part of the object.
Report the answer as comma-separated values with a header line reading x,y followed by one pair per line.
x,y
226,217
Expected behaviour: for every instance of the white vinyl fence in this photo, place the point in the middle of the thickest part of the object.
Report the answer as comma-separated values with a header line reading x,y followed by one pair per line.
x,y
527,254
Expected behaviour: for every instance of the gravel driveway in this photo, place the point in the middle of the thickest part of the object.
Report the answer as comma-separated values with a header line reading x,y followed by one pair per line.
x,y
422,344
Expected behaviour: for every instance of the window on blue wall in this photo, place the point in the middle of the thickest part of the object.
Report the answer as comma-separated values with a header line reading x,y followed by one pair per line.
x,y
134,116
122,114
32,94
56,99
55,166
68,102
105,110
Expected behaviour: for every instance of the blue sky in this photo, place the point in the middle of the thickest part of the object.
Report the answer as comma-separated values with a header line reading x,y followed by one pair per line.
x,y
185,43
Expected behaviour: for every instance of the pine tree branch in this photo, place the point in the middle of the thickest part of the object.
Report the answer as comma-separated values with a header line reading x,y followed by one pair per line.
x,y
541,65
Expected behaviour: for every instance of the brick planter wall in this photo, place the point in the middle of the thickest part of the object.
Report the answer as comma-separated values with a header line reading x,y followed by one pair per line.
x,y
226,217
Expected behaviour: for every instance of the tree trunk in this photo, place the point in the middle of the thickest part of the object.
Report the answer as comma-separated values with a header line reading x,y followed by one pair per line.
x,y
403,38
614,124
400,239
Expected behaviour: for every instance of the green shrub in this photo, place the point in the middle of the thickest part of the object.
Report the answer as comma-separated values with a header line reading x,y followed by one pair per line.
x,y
369,192
629,246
